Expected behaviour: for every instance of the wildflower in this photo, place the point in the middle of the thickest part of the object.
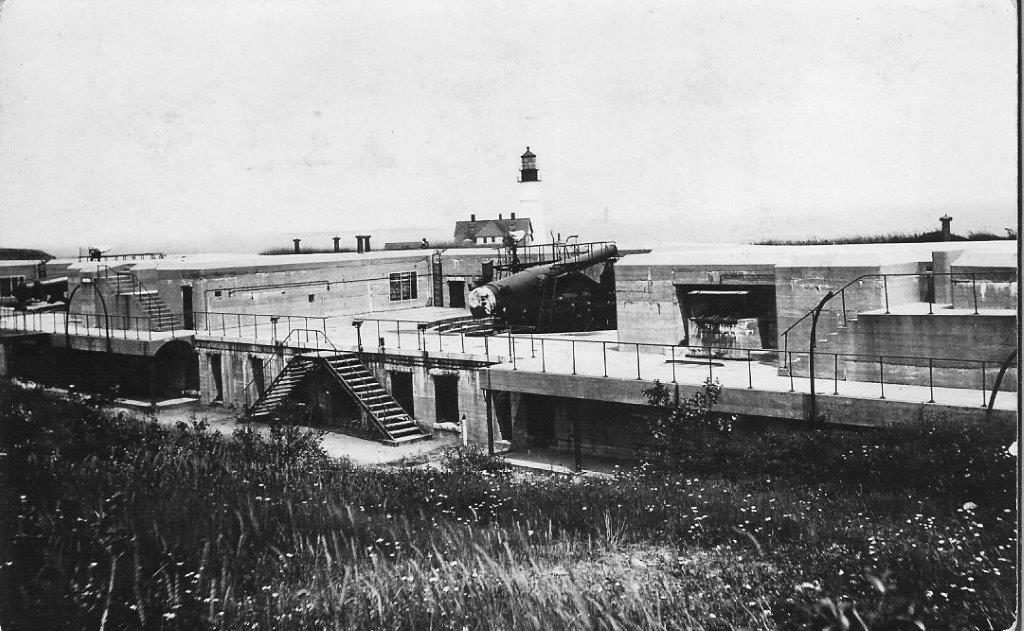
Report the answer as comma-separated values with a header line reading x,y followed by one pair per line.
x,y
969,506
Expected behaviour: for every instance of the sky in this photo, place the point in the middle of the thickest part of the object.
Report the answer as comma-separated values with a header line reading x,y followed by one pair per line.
x,y
235,124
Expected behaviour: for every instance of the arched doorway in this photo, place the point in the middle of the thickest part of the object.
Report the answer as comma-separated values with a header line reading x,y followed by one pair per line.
x,y
176,370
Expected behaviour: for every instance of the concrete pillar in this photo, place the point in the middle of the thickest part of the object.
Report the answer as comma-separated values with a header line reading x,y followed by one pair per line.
x,y
423,396
5,369
942,264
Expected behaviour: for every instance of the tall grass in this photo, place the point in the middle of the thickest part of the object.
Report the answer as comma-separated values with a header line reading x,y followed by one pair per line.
x,y
893,237
112,522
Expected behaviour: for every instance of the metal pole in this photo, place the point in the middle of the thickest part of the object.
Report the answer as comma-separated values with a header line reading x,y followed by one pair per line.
x,y
835,377
487,347
577,446
931,385
543,356
881,376
638,361
789,360
440,342
533,355
974,292
673,364
931,292
604,357
983,397
815,314
512,352
462,340
398,333
711,374
885,285
842,295
750,373
573,342
490,423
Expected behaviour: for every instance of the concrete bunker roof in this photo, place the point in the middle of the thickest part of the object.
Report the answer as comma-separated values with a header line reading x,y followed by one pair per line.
x,y
853,255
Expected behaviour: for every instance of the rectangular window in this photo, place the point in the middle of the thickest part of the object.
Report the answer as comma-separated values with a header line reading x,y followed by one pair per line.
x,y
403,286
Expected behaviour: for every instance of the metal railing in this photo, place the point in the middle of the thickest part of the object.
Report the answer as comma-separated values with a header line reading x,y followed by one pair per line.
x,y
258,324
748,368
929,293
130,256
540,254
74,323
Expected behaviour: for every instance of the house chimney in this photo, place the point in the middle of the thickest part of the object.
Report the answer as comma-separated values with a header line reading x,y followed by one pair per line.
x,y
359,244
296,242
947,235
362,243
513,216
472,217
337,244
499,216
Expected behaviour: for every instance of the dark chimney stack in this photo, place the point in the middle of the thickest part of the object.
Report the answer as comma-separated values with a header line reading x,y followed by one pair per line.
x,y
296,242
499,216
513,216
947,234
362,243
472,217
337,244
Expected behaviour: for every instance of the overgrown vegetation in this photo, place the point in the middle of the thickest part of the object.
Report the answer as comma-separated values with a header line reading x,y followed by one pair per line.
x,y
24,254
111,522
894,237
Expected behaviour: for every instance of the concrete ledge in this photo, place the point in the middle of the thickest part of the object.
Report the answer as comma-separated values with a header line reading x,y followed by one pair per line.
x,y
838,409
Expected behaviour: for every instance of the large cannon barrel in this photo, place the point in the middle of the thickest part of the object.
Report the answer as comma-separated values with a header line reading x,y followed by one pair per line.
x,y
521,291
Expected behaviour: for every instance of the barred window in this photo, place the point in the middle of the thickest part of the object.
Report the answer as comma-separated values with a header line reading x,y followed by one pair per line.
x,y
403,285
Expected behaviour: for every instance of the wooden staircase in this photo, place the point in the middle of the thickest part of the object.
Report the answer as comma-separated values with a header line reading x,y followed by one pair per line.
x,y
393,425
393,422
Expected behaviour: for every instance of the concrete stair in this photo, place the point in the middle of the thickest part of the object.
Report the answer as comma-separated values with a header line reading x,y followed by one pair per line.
x,y
161,318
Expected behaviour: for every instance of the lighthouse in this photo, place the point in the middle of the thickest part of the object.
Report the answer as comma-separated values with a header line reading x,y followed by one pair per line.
x,y
531,204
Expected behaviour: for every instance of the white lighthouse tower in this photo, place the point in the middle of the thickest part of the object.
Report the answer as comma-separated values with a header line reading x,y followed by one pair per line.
x,y
531,203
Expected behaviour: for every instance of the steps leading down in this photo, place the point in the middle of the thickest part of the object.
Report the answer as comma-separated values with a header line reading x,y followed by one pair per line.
x,y
392,424
283,385
389,417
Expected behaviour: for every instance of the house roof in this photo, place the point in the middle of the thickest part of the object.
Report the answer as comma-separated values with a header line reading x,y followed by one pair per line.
x,y
470,230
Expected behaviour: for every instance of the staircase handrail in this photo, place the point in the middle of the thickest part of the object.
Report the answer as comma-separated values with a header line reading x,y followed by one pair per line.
x,y
842,293
317,334
269,388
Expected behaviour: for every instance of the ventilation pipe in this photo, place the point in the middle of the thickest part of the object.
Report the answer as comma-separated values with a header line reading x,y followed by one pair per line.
x,y
337,244
296,242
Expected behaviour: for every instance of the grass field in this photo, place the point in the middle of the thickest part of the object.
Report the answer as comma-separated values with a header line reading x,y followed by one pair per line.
x,y
112,522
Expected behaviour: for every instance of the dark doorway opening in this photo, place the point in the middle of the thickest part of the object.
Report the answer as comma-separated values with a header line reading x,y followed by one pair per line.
x,y
258,376
457,294
540,421
186,307
218,376
176,367
401,390
446,396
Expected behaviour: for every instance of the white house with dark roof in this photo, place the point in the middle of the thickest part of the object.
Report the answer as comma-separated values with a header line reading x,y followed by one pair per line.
x,y
492,230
